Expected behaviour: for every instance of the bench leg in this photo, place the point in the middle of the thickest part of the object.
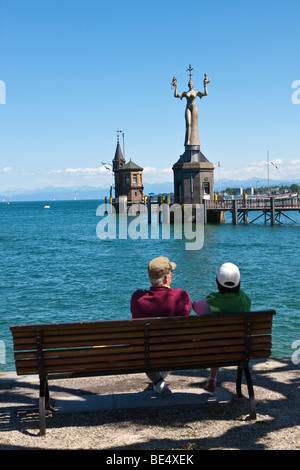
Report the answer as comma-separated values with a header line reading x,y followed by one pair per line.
x,y
251,392
239,381
249,386
44,402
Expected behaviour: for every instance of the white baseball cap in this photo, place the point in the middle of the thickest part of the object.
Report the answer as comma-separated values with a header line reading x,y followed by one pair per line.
x,y
228,275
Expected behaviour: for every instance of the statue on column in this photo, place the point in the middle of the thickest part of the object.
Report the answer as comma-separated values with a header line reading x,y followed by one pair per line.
x,y
191,111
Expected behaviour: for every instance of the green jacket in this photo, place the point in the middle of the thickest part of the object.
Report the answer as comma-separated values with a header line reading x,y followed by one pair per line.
x,y
224,303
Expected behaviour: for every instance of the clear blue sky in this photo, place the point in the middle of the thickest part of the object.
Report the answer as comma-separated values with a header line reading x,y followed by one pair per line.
x,y
77,71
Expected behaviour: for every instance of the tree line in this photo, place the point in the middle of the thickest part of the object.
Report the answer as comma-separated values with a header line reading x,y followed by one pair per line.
x,y
293,188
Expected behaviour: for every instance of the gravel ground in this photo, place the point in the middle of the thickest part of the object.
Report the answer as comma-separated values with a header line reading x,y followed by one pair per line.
x,y
183,428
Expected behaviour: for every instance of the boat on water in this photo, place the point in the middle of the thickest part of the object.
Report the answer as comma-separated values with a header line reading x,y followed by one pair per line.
x,y
46,207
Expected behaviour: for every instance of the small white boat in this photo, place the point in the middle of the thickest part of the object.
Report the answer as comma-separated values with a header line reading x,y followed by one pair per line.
x,y
46,207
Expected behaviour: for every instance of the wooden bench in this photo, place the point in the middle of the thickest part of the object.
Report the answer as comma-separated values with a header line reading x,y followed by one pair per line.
x,y
61,350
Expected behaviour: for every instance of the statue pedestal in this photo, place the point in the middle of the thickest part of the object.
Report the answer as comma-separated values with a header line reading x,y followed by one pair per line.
x,y
192,154
193,177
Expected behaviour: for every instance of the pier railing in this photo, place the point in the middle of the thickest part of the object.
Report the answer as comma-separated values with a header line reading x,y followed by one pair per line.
x,y
259,203
292,202
271,208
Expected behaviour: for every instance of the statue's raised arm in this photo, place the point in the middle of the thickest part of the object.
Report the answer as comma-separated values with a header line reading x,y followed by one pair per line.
x,y
174,85
205,83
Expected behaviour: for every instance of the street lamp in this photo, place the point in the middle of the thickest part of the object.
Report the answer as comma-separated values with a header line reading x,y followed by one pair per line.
x,y
108,166
256,187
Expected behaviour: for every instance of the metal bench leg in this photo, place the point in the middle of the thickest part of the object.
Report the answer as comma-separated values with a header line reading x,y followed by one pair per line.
x,y
44,402
239,381
251,392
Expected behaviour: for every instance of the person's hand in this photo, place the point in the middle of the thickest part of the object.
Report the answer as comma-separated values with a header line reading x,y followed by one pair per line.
x,y
206,79
174,82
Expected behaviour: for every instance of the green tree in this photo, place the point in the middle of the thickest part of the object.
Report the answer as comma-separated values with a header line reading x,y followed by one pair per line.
x,y
294,188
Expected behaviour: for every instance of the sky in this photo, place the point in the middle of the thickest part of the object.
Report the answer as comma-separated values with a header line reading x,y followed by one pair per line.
x,y
74,72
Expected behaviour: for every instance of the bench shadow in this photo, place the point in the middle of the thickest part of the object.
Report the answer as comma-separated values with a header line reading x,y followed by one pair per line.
x,y
274,414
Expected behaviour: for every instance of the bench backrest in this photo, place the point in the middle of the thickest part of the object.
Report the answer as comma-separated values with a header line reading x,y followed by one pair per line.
x,y
138,345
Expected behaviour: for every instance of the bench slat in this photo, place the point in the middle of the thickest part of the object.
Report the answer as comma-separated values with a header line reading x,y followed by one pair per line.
x,y
85,359
194,362
82,344
57,329
208,342
211,320
198,351
68,340
84,340
137,324
96,350
115,368
215,336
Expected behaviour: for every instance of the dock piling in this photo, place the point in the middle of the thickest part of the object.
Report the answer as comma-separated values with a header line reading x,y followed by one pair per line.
x,y
272,210
234,212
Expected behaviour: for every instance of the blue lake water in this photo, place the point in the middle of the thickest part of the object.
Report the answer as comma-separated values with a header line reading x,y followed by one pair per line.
x,y
54,268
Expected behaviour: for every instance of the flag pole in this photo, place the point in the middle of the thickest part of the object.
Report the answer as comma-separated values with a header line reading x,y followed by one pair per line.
x,y
268,173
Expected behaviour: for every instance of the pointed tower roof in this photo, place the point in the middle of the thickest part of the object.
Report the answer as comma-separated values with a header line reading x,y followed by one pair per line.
x,y
118,154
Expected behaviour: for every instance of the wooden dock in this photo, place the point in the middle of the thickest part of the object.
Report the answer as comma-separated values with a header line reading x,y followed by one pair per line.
x,y
272,209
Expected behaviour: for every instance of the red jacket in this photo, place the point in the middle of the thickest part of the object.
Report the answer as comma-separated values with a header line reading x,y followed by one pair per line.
x,y
160,302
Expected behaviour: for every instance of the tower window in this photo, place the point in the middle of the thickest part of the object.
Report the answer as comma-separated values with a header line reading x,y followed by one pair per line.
x,y
126,179
134,179
206,188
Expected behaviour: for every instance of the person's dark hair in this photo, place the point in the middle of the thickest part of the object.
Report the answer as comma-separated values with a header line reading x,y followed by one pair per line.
x,y
228,290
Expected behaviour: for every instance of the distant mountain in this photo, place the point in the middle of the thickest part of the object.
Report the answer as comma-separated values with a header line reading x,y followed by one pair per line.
x,y
58,194
90,192
80,193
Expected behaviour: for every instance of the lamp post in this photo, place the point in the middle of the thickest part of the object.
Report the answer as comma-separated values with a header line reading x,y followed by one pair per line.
x,y
256,187
268,173
109,169
219,166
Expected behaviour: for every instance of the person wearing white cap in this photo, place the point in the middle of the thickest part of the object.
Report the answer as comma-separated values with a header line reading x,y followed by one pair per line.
x,y
230,298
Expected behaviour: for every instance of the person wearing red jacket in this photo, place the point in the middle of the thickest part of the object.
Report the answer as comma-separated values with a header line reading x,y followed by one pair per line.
x,y
160,301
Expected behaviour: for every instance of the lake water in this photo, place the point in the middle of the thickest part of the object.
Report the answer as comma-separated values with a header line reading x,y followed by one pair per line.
x,y
54,268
